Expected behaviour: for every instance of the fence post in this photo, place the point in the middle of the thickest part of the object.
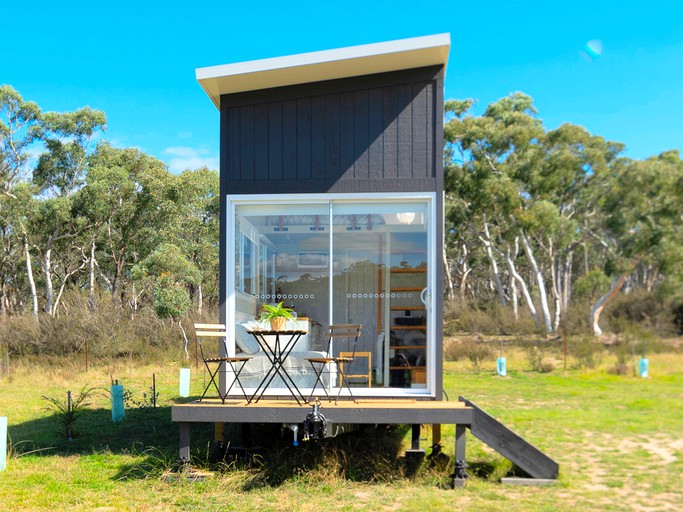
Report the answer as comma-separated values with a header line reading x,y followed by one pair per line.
x,y
68,412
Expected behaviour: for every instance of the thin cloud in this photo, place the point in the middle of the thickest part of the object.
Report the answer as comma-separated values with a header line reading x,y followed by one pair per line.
x,y
182,158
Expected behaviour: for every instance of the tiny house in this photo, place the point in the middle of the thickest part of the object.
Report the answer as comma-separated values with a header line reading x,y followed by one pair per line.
x,y
332,202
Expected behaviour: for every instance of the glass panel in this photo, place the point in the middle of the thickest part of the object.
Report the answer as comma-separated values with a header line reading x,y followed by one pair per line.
x,y
283,255
379,269
377,255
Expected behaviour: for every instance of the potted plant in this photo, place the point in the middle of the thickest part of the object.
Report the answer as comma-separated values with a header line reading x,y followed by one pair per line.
x,y
277,315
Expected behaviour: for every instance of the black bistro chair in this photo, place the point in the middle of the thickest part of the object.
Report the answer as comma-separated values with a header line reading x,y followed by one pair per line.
x,y
339,331
214,364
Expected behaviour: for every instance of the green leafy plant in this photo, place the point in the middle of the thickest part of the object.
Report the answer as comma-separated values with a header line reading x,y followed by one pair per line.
x,y
148,400
273,311
69,410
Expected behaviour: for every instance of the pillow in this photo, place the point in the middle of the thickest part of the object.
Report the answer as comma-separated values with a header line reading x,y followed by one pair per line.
x,y
245,341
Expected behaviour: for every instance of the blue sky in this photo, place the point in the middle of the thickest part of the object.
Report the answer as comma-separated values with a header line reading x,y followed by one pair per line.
x,y
136,60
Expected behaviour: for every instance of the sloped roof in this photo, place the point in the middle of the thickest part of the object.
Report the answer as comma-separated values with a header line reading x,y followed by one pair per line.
x,y
324,65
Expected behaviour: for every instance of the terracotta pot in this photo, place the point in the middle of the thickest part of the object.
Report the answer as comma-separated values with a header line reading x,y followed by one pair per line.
x,y
278,323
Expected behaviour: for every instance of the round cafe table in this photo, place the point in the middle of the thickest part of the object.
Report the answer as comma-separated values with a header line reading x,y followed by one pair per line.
x,y
277,348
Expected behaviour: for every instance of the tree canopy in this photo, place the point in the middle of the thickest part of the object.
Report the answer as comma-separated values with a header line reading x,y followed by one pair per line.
x,y
538,220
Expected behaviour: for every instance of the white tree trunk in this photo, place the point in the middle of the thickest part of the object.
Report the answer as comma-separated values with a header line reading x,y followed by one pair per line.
x,y
465,271
554,284
605,299
185,342
540,282
46,265
63,285
463,283
522,284
450,293
488,245
91,280
200,299
29,272
515,297
567,275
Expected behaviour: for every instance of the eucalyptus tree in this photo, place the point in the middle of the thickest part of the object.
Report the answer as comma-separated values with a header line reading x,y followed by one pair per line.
x,y
59,174
492,159
168,274
193,227
128,196
20,128
639,220
563,190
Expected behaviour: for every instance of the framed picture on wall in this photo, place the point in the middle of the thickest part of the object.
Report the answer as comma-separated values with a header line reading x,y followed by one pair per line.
x,y
312,260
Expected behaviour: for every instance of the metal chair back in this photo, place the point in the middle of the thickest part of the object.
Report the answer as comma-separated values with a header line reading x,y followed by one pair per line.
x,y
348,331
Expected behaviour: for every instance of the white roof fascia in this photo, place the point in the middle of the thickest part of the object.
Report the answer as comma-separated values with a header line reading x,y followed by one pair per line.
x,y
324,65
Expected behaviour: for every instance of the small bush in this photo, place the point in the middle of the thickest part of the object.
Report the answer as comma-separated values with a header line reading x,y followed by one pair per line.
x,y
646,309
537,358
576,318
69,409
633,341
476,351
453,350
490,318
110,331
587,353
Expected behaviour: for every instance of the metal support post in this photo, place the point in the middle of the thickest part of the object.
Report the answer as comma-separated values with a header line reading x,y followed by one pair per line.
x,y
184,442
459,471
415,437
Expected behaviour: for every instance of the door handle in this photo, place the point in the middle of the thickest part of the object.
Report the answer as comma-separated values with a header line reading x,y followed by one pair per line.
x,y
425,296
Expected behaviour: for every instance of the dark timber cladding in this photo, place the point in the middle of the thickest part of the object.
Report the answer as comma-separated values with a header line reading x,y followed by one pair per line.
x,y
373,133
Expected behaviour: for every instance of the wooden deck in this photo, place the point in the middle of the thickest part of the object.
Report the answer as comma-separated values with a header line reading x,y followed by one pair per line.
x,y
463,414
368,411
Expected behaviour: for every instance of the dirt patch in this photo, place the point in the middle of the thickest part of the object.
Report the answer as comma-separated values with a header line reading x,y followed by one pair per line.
x,y
607,483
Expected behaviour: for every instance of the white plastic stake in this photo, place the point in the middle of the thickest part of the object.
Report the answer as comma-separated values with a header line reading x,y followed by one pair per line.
x,y
184,382
3,443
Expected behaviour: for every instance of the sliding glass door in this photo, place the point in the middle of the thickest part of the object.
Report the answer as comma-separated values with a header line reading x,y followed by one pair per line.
x,y
344,259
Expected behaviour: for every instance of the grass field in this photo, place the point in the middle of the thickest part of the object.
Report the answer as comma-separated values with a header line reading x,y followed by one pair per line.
x,y
618,440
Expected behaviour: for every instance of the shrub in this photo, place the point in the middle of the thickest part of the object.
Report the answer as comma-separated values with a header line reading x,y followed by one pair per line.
x,y
576,318
111,330
633,341
591,285
68,410
646,309
477,351
491,318
453,350
537,358
586,352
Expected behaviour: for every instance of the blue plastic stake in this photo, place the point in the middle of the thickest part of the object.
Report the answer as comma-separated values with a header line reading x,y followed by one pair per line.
x,y
118,413
3,443
184,382
643,367
502,370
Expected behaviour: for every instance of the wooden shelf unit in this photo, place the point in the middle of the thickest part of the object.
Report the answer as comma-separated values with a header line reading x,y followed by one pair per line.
x,y
406,280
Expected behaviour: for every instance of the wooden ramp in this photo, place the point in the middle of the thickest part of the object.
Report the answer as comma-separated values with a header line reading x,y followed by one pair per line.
x,y
520,452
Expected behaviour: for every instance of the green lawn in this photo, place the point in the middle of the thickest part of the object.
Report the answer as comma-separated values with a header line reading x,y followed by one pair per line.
x,y
618,440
